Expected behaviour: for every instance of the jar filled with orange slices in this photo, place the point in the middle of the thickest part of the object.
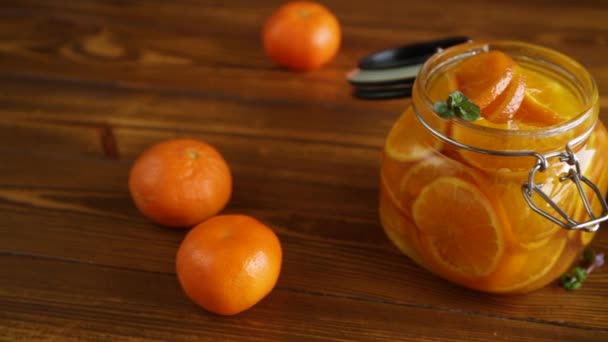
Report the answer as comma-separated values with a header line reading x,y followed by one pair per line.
x,y
495,178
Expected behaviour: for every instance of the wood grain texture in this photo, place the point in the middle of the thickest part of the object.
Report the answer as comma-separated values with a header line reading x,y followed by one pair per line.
x,y
86,85
85,300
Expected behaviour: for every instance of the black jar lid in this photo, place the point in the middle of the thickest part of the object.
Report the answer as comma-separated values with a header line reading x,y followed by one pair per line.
x,y
391,73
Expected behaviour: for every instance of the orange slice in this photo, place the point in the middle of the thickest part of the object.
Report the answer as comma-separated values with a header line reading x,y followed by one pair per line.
x,y
517,270
484,76
533,112
547,101
569,254
426,171
408,140
399,229
506,104
458,229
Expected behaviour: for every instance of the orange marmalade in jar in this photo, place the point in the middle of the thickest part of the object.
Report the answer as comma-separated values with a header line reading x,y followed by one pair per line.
x,y
504,203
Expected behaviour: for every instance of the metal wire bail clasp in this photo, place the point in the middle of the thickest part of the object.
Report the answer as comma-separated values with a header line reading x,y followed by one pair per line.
x,y
575,175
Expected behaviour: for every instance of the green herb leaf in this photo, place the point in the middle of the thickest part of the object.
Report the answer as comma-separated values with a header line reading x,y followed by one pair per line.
x,y
456,98
566,280
592,261
469,110
580,273
457,104
575,286
441,108
570,282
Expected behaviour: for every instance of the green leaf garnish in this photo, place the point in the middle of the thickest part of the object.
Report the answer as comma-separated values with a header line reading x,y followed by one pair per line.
x,y
441,108
457,105
574,280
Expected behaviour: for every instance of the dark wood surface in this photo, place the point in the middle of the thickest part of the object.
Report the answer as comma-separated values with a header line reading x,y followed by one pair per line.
x,y
86,85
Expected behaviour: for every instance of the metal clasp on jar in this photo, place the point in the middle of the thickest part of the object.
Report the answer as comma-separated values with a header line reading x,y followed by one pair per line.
x,y
576,176
542,162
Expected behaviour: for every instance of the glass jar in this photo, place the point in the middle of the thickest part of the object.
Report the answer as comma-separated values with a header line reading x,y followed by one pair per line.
x,y
496,207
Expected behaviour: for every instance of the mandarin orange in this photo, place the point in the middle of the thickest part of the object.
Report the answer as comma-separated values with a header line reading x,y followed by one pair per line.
x,y
229,263
180,182
302,35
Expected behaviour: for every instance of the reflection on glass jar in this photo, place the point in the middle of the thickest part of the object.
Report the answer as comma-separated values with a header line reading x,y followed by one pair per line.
x,y
461,213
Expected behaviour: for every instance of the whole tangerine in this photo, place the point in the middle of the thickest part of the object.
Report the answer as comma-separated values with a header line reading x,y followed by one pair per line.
x,y
301,35
180,182
229,263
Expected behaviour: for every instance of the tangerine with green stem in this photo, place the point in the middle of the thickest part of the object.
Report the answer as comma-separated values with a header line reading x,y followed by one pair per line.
x,y
180,182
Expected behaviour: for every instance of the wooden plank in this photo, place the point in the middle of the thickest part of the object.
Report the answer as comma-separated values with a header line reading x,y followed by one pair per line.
x,y
79,140
68,102
320,163
251,157
92,302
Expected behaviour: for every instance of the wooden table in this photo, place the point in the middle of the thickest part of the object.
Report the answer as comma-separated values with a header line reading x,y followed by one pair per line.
x,y
86,85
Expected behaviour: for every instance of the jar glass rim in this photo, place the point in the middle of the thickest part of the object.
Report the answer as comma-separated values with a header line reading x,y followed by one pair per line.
x,y
565,64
